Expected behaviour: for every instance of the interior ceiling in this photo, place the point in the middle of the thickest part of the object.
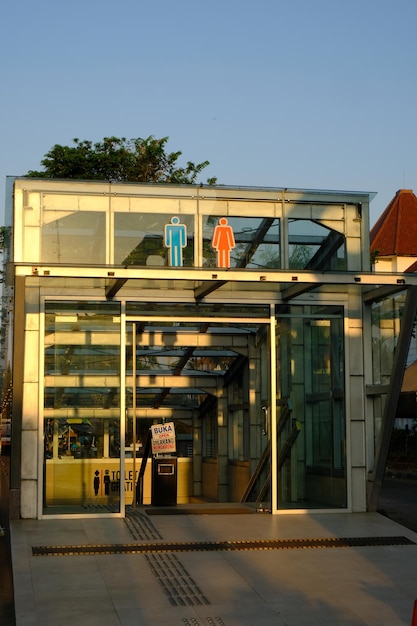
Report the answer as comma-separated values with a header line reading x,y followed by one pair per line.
x,y
182,368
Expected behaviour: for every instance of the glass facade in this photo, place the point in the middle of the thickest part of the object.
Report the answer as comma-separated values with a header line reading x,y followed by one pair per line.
x,y
256,242
187,371
386,323
311,427
139,239
255,351
314,246
385,329
67,235
184,229
82,407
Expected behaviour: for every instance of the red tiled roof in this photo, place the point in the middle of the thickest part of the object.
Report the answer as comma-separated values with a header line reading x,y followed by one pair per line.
x,y
395,232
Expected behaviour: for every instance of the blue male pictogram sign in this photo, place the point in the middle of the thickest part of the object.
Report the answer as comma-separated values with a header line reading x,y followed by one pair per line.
x,y
175,239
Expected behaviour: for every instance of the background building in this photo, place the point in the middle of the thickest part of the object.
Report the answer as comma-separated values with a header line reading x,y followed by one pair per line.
x,y
394,247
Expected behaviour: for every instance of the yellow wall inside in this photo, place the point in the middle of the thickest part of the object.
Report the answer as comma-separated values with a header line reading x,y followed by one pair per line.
x,y
71,481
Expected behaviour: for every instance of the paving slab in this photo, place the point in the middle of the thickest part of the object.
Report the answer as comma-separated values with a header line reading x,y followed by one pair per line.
x,y
199,569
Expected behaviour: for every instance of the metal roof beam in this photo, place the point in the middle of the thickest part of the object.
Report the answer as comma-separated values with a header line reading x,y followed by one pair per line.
x,y
379,293
326,251
257,240
114,287
207,288
207,279
234,370
296,290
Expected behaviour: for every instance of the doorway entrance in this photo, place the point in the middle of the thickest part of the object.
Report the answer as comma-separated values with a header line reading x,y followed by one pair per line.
x,y
209,375
256,394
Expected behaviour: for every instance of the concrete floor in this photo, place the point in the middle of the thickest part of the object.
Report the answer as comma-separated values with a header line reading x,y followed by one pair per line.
x,y
360,585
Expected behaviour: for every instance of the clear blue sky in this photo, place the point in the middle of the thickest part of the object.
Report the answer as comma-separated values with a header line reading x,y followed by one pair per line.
x,y
273,93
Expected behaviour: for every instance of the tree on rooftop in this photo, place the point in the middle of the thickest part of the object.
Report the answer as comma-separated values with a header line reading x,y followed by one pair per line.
x,y
119,160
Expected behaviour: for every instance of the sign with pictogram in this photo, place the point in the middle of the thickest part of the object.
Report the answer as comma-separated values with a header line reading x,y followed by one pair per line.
x,y
223,242
175,239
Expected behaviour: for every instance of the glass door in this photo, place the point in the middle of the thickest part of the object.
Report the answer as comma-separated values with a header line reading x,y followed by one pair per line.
x,y
311,430
209,377
82,426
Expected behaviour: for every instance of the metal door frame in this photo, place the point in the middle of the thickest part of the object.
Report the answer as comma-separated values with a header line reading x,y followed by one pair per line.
x,y
130,320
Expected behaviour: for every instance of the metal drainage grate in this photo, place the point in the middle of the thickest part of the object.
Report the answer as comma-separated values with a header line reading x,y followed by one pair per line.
x,y
175,581
220,546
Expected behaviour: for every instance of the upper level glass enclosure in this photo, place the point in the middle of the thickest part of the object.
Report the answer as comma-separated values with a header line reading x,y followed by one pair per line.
x,y
76,223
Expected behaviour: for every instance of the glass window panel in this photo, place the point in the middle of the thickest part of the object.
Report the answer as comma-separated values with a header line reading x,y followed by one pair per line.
x,y
256,241
139,239
386,320
310,408
82,407
78,237
68,359
178,309
314,246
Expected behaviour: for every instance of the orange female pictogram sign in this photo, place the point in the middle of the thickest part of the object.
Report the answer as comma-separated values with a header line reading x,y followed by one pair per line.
x,y
223,242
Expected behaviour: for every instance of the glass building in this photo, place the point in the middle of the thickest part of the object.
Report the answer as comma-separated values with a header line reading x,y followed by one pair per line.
x,y
248,318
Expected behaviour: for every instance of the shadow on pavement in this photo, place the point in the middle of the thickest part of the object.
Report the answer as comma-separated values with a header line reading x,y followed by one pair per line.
x,y
7,612
397,501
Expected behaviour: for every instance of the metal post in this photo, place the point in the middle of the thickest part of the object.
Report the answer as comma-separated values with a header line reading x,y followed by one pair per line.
x,y
134,412
273,417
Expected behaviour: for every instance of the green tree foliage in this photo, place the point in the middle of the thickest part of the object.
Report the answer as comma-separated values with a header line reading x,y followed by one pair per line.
x,y
4,244
119,160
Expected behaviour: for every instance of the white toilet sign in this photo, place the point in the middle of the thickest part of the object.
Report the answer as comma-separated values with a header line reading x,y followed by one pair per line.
x,y
163,438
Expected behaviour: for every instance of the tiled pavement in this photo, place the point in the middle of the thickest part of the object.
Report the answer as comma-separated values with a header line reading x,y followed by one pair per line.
x,y
222,569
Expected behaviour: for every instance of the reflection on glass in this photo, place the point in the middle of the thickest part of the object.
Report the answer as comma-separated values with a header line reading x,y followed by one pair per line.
x,y
178,309
139,239
386,322
74,237
314,246
82,438
311,408
82,407
256,242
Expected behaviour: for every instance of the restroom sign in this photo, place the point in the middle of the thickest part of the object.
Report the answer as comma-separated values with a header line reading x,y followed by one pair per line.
x,y
163,438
